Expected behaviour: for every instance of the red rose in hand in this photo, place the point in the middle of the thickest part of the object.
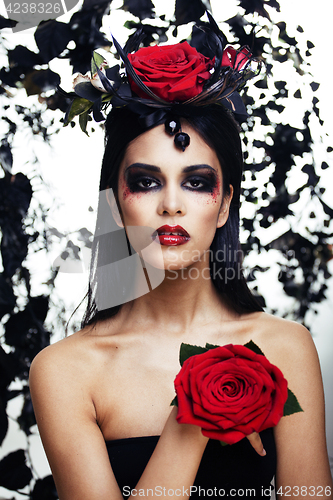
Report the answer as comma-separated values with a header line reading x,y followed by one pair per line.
x,y
230,392
173,72
234,58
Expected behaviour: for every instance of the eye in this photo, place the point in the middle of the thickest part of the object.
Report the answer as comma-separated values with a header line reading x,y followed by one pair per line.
x,y
142,183
195,183
198,184
147,183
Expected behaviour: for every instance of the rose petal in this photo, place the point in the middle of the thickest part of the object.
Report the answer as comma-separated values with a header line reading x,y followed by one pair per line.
x,y
229,437
173,72
231,392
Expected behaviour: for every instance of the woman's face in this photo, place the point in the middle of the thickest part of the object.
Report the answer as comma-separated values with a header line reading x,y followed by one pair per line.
x,y
177,195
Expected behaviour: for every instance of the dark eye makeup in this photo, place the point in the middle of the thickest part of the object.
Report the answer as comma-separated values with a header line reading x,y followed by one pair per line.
x,y
137,182
203,183
205,180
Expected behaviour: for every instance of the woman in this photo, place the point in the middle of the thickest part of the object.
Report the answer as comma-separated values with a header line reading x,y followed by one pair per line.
x,y
102,396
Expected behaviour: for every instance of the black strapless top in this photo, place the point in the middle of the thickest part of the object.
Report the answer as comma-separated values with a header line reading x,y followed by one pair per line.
x,y
232,468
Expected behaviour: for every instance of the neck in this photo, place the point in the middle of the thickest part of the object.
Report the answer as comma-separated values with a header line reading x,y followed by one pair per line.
x,y
185,298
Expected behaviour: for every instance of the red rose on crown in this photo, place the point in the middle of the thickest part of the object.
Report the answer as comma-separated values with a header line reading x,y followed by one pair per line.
x,y
157,77
231,391
173,72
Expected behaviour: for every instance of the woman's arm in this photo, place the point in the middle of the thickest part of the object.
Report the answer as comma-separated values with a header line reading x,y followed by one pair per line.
x,y
66,419
176,458
75,446
302,463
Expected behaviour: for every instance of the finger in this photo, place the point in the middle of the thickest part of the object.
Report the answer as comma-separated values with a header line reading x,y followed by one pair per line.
x,y
256,443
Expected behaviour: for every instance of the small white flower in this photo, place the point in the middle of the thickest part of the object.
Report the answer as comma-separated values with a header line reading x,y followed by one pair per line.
x,y
96,81
80,79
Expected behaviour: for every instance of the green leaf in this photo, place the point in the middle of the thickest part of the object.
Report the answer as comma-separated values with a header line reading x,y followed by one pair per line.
x,y
128,25
79,106
106,97
174,402
291,405
96,62
83,120
188,350
211,346
251,345
223,443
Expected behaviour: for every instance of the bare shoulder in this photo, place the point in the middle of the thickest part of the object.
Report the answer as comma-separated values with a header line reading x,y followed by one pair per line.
x,y
54,379
284,342
281,328
58,359
77,354
71,364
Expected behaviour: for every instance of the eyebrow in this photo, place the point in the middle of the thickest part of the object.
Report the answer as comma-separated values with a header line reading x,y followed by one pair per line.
x,y
154,168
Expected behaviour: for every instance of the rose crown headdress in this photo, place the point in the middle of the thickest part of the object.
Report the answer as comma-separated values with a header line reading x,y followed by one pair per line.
x,y
161,83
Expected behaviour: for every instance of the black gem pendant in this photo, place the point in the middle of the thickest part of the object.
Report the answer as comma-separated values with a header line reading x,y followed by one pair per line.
x,y
182,140
172,126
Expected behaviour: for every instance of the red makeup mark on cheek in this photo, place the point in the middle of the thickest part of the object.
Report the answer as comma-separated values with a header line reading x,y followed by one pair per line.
x,y
128,195
126,192
216,191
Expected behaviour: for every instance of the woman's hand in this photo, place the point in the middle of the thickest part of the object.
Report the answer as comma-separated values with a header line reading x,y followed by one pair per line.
x,y
256,443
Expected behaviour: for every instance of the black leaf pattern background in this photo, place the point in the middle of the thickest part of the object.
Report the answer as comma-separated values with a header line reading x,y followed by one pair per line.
x,y
301,252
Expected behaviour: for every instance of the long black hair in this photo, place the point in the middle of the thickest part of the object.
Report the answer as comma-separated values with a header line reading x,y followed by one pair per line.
x,y
220,131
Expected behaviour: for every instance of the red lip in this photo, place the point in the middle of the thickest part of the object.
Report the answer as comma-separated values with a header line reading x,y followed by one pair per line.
x,y
178,237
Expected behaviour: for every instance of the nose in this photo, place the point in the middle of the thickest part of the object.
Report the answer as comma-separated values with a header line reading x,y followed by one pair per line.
x,y
171,202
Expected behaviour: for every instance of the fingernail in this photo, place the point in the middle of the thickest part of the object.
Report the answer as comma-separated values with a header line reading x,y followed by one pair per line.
x,y
263,452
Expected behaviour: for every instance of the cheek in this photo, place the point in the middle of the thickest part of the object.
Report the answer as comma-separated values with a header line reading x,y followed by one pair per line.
x,y
123,190
216,193
213,198
132,205
204,214
125,194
